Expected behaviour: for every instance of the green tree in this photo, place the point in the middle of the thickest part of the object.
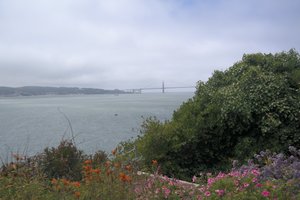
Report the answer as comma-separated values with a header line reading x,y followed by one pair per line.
x,y
253,105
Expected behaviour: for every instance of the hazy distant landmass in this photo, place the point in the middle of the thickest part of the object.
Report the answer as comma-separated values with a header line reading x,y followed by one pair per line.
x,y
39,90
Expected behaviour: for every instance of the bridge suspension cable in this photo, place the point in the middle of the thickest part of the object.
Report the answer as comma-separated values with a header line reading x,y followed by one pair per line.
x,y
162,88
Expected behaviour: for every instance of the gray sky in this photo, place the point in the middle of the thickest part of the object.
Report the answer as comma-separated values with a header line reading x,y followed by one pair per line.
x,y
137,43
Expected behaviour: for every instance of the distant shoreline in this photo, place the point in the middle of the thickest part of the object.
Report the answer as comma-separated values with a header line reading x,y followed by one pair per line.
x,y
43,91
55,95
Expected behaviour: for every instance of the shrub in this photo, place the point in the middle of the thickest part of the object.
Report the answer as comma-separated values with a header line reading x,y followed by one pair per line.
x,y
99,157
253,104
64,161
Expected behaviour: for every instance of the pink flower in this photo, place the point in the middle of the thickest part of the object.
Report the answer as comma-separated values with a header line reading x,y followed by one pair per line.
x,y
220,192
254,180
210,181
255,172
149,184
207,193
258,185
194,179
167,191
171,183
221,175
202,189
265,193
246,185
245,173
234,174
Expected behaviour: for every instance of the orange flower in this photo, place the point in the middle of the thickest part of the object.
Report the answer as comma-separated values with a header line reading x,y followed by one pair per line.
x,y
125,178
122,176
77,194
65,182
87,168
76,184
154,162
128,178
114,151
87,162
128,167
97,171
54,181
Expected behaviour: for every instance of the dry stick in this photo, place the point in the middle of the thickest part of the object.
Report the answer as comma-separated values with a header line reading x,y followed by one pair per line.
x,y
70,125
3,164
26,146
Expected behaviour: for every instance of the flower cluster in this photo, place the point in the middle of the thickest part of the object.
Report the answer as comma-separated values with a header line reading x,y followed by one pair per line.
x,y
233,183
125,178
89,172
279,166
67,186
119,179
247,181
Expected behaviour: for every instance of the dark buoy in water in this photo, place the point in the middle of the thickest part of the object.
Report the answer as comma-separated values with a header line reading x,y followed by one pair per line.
x,y
116,114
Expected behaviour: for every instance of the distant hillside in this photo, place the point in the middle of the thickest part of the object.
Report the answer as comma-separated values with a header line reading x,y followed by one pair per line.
x,y
38,90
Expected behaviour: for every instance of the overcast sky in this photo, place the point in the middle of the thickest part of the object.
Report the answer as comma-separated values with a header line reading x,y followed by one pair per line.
x,y
137,43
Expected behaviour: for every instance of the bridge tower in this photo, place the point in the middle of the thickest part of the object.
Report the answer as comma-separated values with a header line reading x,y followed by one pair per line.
x,y
163,87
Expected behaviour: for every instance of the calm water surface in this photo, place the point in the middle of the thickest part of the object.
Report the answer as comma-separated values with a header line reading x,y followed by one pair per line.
x,y
29,124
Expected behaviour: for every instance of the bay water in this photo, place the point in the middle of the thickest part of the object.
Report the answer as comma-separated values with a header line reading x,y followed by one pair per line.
x,y
98,122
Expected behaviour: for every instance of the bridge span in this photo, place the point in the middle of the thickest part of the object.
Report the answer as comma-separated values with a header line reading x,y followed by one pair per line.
x,y
162,88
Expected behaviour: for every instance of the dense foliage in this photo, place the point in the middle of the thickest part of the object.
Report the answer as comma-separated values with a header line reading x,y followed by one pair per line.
x,y
63,161
253,105
119,179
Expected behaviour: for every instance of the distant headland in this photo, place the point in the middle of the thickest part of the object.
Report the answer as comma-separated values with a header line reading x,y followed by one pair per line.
x,y
40,90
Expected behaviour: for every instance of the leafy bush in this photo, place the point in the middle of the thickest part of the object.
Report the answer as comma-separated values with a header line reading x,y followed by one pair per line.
x,y
64,161
253,104
99,157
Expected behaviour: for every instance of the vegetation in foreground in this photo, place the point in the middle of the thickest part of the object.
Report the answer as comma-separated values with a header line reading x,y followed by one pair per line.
x,y
254,105
267,176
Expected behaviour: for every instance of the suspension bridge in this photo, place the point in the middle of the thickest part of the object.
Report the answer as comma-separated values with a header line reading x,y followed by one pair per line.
x,y
163,88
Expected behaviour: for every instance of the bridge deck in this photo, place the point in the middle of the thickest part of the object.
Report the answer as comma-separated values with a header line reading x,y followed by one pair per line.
x,y
139,90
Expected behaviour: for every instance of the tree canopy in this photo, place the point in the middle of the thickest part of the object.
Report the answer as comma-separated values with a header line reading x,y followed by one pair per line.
x,y
253,105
